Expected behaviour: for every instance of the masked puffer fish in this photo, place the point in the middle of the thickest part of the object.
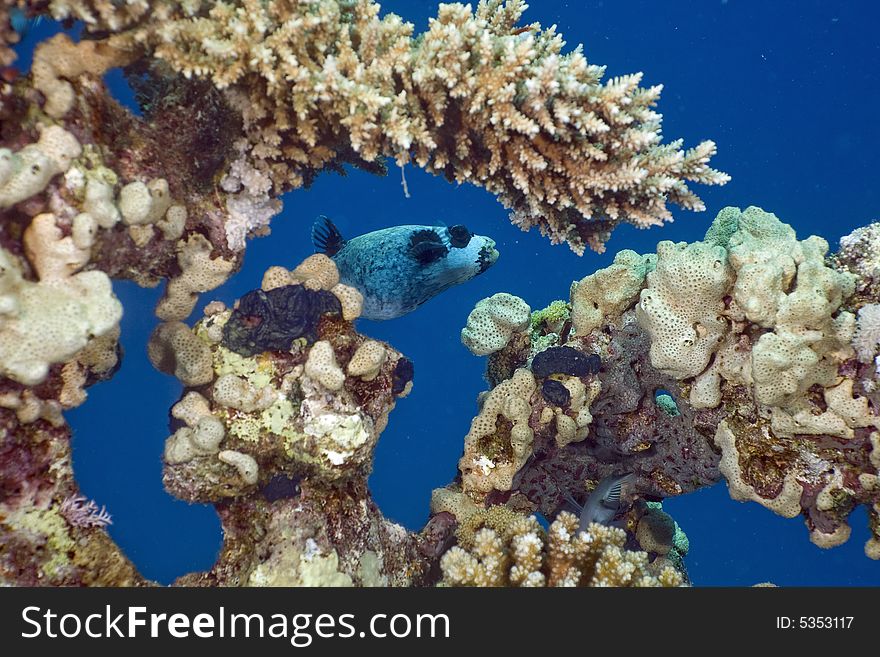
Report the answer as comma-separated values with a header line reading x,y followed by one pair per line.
x,y
397,269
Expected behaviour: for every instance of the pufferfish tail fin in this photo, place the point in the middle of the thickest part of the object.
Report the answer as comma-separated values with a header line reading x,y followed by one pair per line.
x,y
326,237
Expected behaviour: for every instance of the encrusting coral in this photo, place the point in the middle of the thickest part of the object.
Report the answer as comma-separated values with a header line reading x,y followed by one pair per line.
x,y
280,420
491,323
50,320
743,344
304,403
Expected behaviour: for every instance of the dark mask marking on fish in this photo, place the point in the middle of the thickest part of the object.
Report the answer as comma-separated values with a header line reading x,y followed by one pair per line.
x,y
487,258
427,247
459,236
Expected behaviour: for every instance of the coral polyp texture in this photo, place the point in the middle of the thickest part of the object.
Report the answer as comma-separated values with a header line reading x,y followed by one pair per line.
x,y
477,98
750,355
524,555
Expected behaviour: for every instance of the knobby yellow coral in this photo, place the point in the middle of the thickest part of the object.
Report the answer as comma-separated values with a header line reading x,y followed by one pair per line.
x,y
477,98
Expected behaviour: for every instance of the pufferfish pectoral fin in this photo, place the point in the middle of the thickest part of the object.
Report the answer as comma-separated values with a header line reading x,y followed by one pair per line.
x,y
426,246
326,237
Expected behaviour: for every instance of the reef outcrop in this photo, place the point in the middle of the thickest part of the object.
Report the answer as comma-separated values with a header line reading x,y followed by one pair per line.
x,y
750,355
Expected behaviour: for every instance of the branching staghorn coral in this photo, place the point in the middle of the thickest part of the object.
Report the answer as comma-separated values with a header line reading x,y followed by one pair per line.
x,y
749,338
524,556
476,99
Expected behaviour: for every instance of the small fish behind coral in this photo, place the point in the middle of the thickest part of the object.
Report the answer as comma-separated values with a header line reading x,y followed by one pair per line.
x,y
398,269
605,502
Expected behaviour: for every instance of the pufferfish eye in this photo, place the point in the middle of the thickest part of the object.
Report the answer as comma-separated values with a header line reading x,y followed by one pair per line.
x,y
459,236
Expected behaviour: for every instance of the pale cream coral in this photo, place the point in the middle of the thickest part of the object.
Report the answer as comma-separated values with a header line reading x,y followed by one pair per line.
x,y
51,320
99,202
233,391
83,231
73,382
54,256
30,408
609,291
783,291
681,306
493,321
189,442
199,273
340,437
477,98
101,353
783,284
144,203
173,223
452,501
843,414
27,171
525,557
351,300
787,503
867,335
174,349
276,277
59,59
317,272
367,360
321,365
192,408
839,536
247,466
573,425
490,460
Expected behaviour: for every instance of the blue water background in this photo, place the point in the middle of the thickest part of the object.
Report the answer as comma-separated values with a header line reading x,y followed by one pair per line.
x,y
788,89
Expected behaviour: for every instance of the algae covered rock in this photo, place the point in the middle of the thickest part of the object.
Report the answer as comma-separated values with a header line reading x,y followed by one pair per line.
x,y
271,321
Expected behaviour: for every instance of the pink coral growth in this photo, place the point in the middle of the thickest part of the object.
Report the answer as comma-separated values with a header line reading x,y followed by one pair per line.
x,y
80,511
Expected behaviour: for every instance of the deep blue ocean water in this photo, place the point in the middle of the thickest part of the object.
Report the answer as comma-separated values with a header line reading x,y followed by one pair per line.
x,y
788,89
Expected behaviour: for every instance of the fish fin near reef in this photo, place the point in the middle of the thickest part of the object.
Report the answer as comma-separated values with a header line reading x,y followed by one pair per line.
x,y
326,237
426,246
612,496
577,505
21,23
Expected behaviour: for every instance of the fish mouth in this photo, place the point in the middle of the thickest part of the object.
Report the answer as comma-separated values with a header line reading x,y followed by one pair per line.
x,y
487,256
